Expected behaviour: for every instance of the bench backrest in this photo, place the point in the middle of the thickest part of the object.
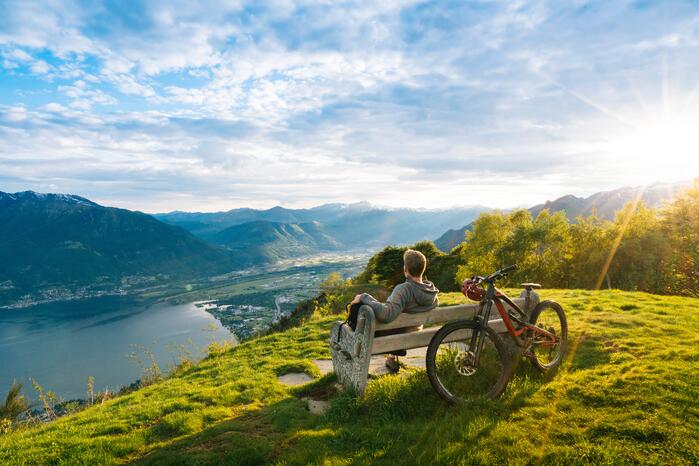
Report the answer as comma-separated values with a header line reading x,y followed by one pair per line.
x,y
441,315
431,321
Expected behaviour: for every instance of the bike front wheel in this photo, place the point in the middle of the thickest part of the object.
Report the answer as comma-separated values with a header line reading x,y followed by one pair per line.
x,y
548,353
451,368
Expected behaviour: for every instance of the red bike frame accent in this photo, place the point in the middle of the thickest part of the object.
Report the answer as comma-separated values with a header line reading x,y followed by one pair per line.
x,y
499,297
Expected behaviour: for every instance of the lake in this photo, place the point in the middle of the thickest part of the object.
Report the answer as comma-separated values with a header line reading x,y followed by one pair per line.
x,y
60,344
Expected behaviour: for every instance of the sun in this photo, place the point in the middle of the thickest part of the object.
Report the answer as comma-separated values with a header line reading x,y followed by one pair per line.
x,y
664,140
655,144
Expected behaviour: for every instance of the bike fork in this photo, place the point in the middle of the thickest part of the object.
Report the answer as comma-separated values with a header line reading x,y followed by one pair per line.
x,y
478,335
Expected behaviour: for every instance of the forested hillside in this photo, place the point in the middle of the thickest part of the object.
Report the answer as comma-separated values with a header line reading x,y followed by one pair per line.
x,y
604,205
645,249
58,240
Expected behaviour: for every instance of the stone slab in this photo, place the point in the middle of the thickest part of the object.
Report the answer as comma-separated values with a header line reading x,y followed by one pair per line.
x,y
294,379
325,366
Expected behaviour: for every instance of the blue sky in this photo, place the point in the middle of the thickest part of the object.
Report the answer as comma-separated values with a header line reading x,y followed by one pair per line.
x,y
158,106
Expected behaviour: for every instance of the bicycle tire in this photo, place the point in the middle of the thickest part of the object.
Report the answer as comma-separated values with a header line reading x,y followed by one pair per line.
x,y
562,332
470,389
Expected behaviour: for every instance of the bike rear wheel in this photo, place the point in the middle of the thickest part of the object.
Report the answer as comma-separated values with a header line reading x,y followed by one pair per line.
x,y
450,363
549,316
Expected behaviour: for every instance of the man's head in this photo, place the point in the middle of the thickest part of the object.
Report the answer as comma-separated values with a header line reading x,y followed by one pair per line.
x,y
414,263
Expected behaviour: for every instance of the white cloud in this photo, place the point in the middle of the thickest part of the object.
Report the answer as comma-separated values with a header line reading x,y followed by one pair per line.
x,y
265,102
129,85
19,54
54,107
40,67
84,97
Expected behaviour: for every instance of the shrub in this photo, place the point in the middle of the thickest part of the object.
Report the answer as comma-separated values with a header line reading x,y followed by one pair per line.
x,y
14,406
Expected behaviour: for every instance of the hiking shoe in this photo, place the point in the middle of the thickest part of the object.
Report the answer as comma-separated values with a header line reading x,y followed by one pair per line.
x,y
392,364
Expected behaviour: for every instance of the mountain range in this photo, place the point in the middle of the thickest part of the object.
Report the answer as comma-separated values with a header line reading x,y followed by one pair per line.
x,y
61,240
358,225
57,240
604,204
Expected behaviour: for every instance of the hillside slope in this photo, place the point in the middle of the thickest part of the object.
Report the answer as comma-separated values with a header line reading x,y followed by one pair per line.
x,y
55,239
627,395
262,242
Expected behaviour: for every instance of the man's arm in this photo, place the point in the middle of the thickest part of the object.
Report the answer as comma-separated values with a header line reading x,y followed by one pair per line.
x,y
394,305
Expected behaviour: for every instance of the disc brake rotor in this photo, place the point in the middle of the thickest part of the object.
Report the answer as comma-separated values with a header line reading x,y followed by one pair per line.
x,y
463,362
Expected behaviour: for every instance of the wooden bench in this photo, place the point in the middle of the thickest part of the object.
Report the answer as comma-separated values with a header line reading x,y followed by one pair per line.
x,y
352,350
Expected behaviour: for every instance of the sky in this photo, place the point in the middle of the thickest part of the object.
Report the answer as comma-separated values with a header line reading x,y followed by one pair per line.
x,y
205,106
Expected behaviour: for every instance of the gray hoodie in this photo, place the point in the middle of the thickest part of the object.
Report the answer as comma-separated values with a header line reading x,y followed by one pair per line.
x,y
410,296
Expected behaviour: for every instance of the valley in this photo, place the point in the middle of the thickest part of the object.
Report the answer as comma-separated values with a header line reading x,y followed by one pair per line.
x,y
248,302
60,338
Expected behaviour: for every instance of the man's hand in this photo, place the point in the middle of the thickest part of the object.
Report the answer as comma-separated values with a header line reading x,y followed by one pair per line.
x,y
356,299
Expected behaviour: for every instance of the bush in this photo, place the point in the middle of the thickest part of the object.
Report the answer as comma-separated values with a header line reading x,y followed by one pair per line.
x,y
14,406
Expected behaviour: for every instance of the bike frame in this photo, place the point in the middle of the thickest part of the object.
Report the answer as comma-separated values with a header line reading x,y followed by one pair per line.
x,y
495,296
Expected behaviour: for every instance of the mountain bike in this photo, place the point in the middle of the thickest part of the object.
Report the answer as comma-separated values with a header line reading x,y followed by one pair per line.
x,y
467,359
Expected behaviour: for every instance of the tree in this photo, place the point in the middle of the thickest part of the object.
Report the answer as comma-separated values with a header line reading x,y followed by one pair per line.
x,y
680,224
15,403
491,231
638,249
385,268
590,243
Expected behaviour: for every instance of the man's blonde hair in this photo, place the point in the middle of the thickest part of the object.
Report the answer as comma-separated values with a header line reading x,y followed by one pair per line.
x,y
415,262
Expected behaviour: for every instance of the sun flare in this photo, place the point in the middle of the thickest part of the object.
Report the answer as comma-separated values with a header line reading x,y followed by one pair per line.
x,y
668,138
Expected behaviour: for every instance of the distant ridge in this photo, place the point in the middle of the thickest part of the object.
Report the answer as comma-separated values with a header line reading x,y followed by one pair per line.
x,y
261,241
48,197
358,225
58,240
604,204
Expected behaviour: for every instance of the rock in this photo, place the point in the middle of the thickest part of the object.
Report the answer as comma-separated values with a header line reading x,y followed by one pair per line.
x,y
325,366
316,406
295,378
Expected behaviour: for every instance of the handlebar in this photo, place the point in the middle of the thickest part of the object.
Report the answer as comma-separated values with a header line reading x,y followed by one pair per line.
x,y
497,275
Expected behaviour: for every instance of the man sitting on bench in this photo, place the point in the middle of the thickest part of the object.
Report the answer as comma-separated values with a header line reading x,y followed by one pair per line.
x,y
413,296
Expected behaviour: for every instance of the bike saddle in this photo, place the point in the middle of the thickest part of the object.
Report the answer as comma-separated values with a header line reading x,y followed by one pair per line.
x,y
530,286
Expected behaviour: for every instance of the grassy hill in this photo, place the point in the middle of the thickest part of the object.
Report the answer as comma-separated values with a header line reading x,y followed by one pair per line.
x,y
627,395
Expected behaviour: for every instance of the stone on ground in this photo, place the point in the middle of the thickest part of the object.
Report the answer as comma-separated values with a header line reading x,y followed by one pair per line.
x,y
295,378
316,406
325,366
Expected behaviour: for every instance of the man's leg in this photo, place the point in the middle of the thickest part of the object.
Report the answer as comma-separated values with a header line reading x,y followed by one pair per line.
x,y
392,356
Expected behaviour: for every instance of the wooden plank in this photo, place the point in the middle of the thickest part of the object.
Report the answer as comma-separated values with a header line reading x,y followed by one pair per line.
x,y
421,338
441,314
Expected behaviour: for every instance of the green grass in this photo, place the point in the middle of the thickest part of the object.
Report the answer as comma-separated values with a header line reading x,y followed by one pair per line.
x,y
627,395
